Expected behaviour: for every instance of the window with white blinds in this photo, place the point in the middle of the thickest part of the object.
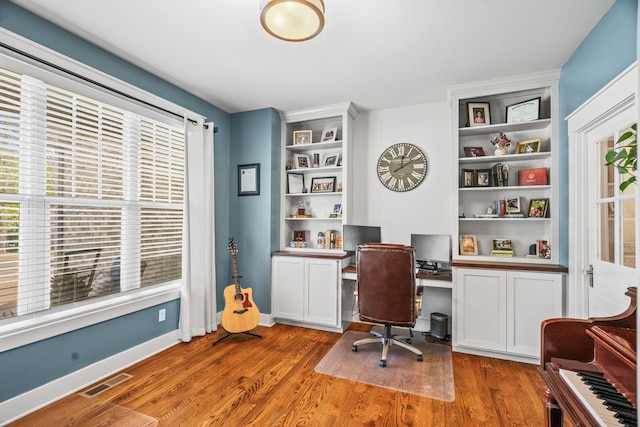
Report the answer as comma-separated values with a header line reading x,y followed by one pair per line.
x,y
91,197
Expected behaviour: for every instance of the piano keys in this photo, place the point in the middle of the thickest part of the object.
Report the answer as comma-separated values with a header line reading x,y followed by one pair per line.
x,y
601,399
589,367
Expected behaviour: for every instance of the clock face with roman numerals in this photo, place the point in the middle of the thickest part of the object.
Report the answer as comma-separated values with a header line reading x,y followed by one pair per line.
x,y
402,167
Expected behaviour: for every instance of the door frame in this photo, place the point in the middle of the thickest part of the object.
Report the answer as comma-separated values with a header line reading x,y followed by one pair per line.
x,y
617,95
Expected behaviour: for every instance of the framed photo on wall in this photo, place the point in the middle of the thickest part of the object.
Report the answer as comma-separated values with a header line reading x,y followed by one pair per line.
x,y
478,113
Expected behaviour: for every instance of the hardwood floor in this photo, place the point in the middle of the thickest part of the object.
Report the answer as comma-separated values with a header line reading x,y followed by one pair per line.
x,y
245,381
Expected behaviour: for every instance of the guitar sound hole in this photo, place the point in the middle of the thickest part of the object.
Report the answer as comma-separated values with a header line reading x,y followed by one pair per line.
x,y
239,297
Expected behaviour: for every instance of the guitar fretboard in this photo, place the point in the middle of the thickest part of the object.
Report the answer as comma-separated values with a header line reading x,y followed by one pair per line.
x,y
234,264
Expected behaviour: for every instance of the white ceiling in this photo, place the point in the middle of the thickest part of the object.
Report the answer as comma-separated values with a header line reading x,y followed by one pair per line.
x,y
376,53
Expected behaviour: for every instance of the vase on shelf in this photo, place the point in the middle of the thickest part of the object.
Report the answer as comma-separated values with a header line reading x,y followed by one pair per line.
x,y
501,142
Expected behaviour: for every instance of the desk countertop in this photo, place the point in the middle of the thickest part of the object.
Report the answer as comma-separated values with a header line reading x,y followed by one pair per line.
x,y
309,253
442,275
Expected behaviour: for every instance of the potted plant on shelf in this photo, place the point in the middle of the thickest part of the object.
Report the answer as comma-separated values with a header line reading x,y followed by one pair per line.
x,y
624,156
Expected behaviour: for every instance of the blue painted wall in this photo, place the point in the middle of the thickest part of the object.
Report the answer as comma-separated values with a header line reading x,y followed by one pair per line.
x,y
609,49
254,219
25,368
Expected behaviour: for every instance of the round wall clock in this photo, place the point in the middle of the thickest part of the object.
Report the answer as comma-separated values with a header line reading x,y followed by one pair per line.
x,y
402,167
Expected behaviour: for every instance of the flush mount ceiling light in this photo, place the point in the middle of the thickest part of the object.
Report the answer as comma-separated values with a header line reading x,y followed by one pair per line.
x,y
292,20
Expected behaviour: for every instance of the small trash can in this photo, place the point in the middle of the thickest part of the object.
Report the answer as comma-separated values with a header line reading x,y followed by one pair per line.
x,y
439,325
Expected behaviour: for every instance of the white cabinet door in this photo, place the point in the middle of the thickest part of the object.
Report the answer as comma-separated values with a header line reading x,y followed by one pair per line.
x,y
480,308
287,286
306,290
321,299
532,298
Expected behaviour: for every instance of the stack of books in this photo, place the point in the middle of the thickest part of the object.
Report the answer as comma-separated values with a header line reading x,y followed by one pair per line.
x,y
500,174
502,252
513,215
499,209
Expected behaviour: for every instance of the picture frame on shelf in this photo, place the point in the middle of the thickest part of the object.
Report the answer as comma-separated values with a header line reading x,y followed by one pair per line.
x,y
249,179
302,161
544,250
295,183
302,137
478,113
512,204
331,159
467,178
468,245
474,151
337,211
299,235
483,178
530,146
502,245
329,135
538,208
325,184
525,111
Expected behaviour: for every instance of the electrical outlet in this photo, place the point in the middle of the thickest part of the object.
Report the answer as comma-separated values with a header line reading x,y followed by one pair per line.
x,y
162,314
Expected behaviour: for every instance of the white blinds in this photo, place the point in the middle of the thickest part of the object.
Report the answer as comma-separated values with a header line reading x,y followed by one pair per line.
x,y
91,197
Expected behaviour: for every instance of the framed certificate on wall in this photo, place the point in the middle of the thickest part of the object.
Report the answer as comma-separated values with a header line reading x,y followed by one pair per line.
x,y
249,179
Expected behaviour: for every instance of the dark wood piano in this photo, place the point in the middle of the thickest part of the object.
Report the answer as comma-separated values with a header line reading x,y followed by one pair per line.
x,y
589,367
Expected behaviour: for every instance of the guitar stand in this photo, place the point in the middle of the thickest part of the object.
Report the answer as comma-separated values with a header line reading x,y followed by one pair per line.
x,y
229,333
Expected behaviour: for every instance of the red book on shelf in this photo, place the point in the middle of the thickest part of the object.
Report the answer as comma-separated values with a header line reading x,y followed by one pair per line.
x,y
532,176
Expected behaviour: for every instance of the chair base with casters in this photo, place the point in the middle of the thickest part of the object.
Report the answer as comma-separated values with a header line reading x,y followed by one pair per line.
x,y
388,339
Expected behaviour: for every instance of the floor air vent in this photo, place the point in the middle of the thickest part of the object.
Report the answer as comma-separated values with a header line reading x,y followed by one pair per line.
x,y
106,385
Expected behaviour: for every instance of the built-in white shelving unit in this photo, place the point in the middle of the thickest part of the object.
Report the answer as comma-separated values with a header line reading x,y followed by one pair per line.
x,y
320,207
475,200
500,301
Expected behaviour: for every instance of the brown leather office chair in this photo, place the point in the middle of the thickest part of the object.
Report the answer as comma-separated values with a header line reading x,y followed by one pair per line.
x,y
386,280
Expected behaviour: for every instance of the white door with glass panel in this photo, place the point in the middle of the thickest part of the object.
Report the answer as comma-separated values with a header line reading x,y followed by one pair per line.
x,y
612,220
602,220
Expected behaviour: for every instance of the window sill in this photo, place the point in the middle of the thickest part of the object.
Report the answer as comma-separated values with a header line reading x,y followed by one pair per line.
x,y
32,328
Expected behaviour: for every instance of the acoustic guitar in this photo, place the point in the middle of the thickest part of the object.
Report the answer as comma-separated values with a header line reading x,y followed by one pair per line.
x,y
240,313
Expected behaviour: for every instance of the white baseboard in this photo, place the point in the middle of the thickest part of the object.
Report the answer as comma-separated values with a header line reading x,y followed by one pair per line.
x,y
19,406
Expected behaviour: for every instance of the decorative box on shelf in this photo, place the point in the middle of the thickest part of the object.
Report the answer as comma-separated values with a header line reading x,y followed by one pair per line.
x,y
537,176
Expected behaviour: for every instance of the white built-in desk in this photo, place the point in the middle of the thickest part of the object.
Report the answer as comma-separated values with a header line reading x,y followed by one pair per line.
x,y
425,279
434,288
